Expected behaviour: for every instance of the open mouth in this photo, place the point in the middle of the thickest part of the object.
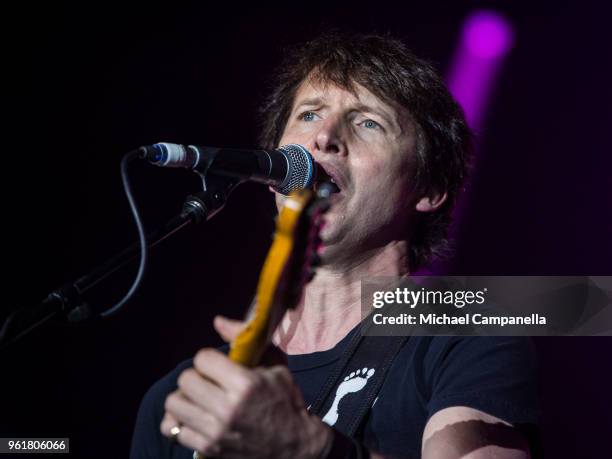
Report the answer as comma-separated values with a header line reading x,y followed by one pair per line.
x,y
324,179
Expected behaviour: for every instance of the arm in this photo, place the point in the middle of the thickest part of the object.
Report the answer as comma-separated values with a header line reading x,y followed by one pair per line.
x,y
462,432
482,389
466,433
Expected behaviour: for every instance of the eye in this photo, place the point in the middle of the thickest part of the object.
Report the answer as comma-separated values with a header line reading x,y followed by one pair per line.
x,y
370,124
307,116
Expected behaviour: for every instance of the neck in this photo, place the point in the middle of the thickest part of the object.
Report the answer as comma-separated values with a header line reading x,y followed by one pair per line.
x,y
331,304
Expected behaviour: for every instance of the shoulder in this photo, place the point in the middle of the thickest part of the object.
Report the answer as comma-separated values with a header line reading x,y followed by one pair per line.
x,y
160,389
495,374
147,440
438,360
477,353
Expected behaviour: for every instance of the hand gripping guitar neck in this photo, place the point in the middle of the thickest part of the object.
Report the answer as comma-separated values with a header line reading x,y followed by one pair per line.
x,y
286,270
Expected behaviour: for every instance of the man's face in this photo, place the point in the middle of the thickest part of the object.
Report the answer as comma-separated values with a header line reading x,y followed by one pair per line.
x,y
368,147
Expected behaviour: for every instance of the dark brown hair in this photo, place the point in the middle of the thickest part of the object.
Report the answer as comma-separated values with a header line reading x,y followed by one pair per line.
x,y
389,70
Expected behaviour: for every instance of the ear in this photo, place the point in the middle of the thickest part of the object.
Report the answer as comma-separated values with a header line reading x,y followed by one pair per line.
x,y
431,202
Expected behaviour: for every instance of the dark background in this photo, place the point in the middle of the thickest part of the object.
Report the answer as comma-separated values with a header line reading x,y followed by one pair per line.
x,y
85,83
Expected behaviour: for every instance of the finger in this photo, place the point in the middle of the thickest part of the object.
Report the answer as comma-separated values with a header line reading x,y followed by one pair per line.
x,y
189,437
204,394
168,422
228,328
281,375
186,413
216,366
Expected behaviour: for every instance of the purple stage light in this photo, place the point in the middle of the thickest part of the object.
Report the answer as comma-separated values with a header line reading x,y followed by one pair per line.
x,y
486,39
488,35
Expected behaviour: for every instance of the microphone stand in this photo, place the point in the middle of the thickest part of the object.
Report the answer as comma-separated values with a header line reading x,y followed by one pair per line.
x,y
66,302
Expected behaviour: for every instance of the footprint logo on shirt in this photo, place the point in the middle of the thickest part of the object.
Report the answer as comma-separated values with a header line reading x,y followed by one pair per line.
x,y
354,382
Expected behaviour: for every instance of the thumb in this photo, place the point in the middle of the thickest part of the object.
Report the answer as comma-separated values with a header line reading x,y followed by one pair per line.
x,y
228,329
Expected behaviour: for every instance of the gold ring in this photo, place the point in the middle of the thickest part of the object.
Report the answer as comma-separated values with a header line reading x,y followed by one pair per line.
x,y
175,431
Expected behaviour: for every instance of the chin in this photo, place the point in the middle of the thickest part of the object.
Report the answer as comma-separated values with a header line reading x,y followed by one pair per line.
x,y
334,247
329,235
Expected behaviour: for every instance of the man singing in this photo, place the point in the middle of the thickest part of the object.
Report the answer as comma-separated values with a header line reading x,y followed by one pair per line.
x,y
384,128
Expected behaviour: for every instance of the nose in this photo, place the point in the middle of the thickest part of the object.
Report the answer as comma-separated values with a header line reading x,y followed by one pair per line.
x,y
330,137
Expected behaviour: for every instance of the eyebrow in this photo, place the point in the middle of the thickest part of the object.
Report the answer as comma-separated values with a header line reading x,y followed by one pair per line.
x,y
310,101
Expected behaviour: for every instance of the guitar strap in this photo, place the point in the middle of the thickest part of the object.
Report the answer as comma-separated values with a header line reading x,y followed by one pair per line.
x,y
353,385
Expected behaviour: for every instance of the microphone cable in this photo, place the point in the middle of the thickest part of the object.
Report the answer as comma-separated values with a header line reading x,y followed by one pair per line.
x,y
142,239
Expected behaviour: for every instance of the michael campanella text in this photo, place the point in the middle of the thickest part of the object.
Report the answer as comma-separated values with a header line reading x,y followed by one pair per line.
x,y
467,319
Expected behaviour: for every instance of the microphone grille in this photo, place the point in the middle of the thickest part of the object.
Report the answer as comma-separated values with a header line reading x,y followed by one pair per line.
x,y
301,170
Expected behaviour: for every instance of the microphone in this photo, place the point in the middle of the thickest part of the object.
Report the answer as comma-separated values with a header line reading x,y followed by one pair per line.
x,y
285,169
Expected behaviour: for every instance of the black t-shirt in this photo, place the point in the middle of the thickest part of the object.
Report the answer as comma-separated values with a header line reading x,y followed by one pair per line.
x,y
496,375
